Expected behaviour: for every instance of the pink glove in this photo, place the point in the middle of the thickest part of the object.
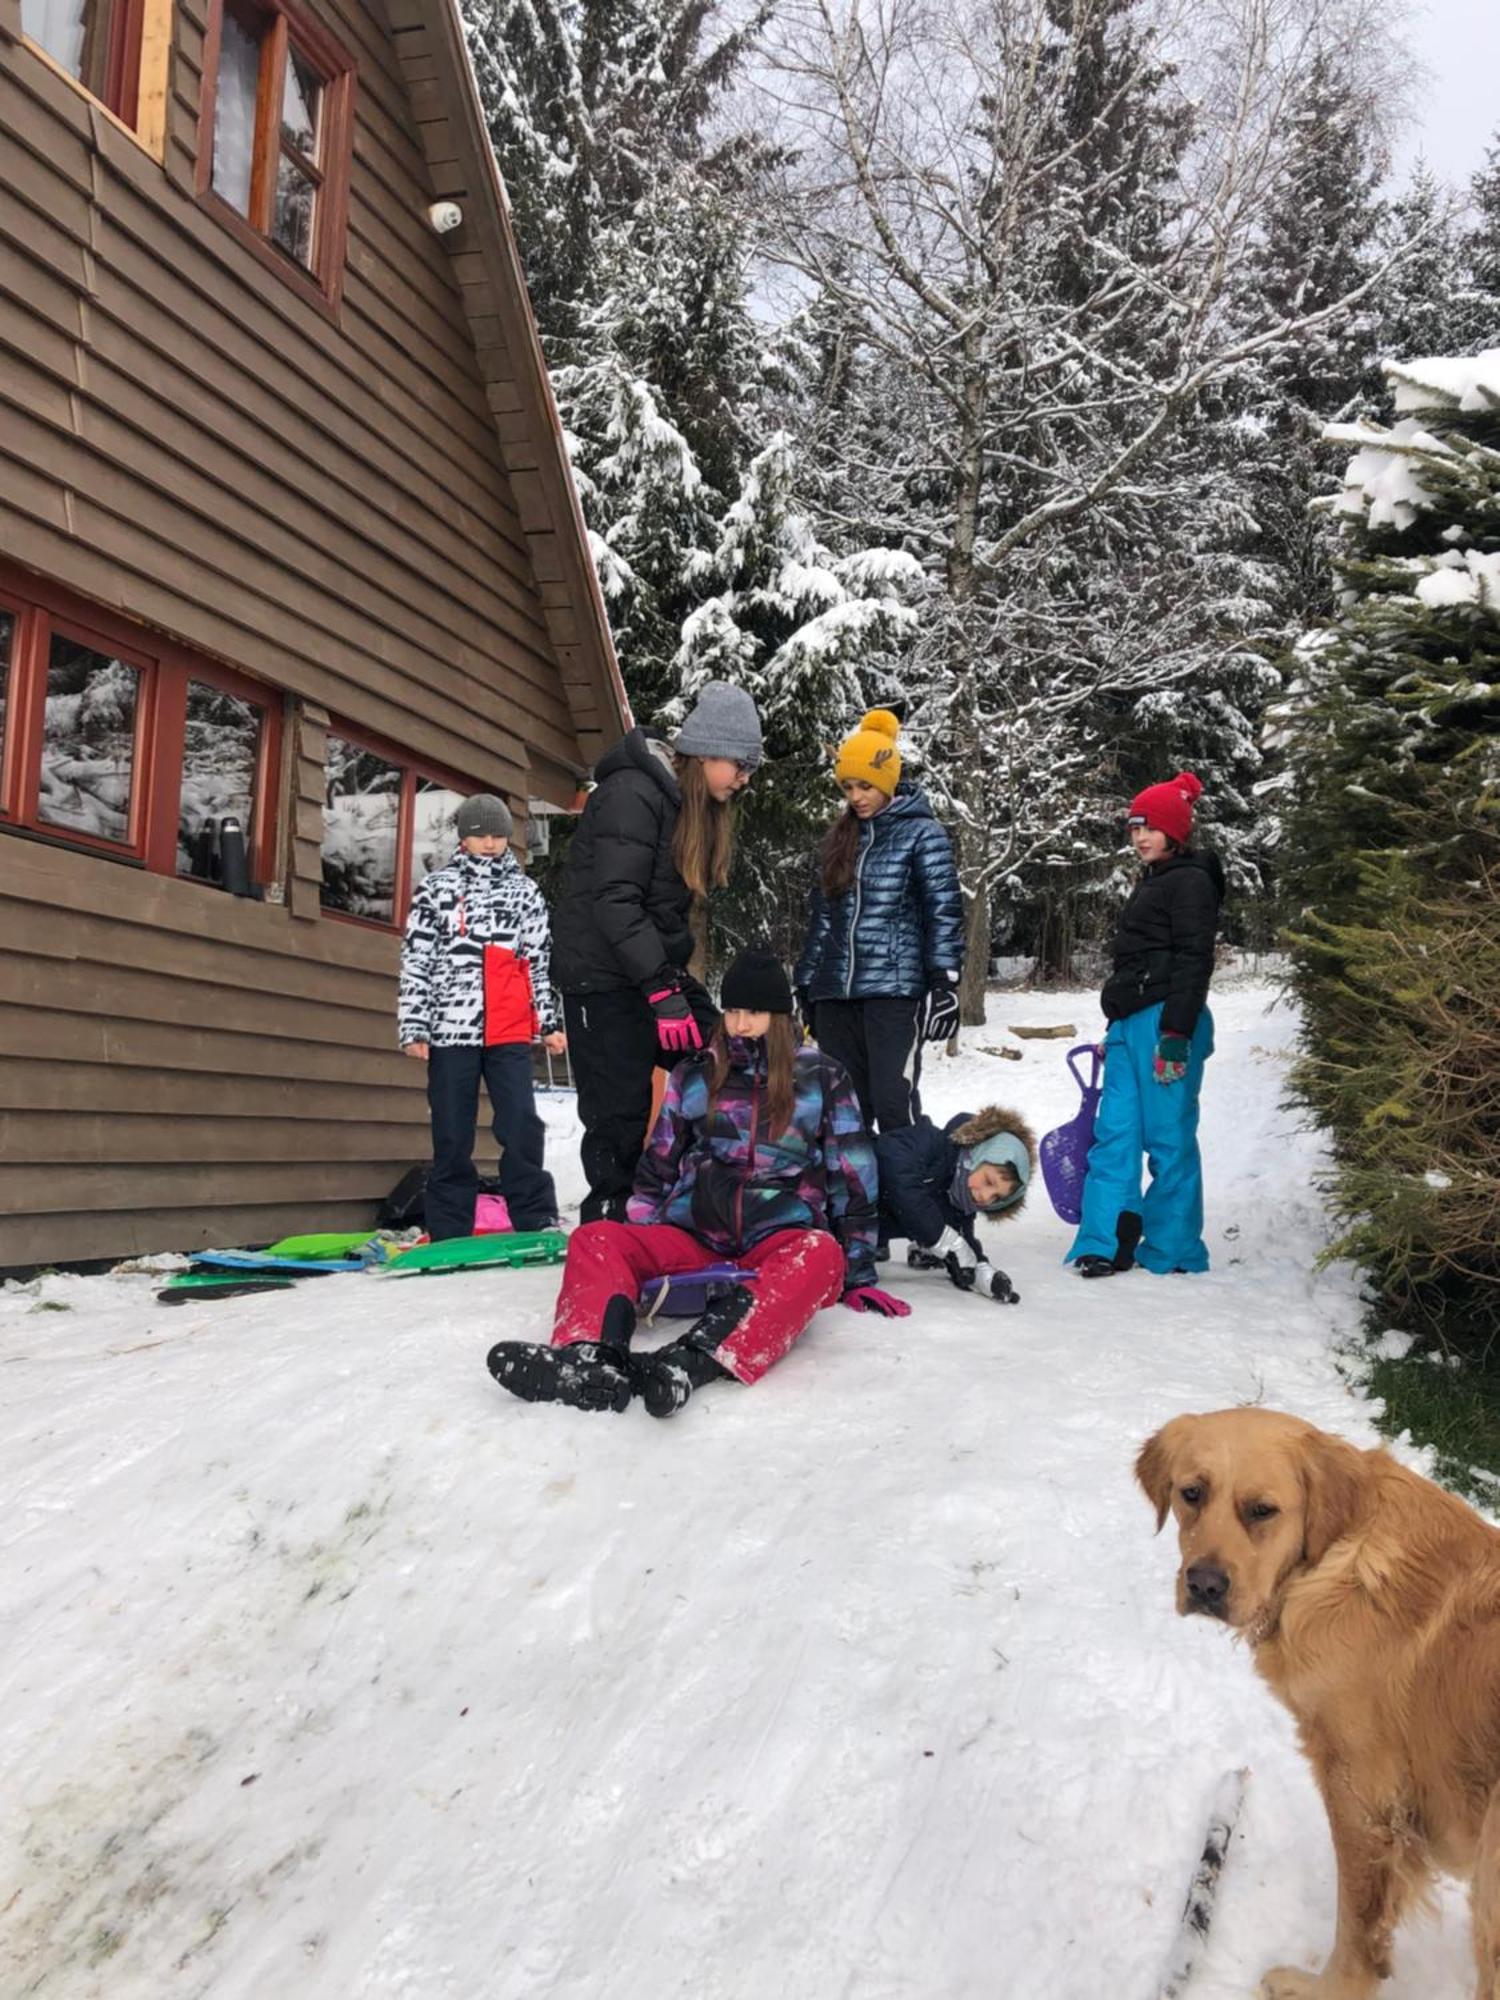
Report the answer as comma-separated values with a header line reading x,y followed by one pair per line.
x,y
676,1030
871,1299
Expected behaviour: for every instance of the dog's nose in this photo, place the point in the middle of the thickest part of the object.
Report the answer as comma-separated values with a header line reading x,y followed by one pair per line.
x,y
1208,1587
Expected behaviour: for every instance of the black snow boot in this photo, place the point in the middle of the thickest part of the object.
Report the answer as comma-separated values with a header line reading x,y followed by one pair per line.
x,y
1127,1235
584,1374
1095,1267
664,1380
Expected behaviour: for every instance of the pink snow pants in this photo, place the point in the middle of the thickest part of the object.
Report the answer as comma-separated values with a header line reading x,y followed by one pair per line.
x,y
800,1271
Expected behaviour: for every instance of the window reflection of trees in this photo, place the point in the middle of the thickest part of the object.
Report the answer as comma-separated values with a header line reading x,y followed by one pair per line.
x,y
88,741
220,750
7,630
433,835
361,819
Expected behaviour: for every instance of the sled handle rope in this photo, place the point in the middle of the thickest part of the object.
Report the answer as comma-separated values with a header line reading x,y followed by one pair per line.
x,y
1198,1911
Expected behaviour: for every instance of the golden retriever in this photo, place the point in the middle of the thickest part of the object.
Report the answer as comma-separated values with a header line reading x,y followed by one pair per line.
x,y
1371,1599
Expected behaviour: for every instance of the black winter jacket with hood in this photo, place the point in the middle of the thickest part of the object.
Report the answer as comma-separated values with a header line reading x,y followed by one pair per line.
x,y
917,1165
624,910
1164,946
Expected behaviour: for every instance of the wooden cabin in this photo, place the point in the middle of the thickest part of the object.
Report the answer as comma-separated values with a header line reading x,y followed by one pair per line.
x,y
287,537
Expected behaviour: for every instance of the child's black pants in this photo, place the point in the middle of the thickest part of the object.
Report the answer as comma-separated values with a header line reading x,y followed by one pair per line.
x,y
453,1079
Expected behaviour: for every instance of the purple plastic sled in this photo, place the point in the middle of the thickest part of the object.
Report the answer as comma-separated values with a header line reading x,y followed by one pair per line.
x,y
685,1294
1064,1152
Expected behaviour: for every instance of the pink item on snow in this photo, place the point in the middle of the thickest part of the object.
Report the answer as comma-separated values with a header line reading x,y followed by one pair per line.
x,y
491,1216
871,1299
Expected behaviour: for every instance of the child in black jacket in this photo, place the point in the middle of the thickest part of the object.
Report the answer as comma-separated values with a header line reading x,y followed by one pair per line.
x,y
934,1183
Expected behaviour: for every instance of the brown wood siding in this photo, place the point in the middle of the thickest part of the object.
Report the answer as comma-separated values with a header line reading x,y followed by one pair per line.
x,y
366,507
180,1069
183,438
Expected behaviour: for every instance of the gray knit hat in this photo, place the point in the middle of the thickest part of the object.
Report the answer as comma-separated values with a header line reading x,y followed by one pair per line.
x,y
482,814
722,722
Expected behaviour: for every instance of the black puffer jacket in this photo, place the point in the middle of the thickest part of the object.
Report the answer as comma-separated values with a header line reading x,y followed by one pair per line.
x,y
623,913
1164,947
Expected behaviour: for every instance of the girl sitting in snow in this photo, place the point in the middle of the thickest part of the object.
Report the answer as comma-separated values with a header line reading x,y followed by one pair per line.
x,y
1160,1035
759,1156
933,1183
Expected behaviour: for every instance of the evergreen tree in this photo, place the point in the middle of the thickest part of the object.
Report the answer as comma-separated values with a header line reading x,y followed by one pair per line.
x,y
1393,848
1480,288
1419,308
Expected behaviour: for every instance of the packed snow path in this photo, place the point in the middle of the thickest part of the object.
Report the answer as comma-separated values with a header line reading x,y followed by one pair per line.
x,y
330,1670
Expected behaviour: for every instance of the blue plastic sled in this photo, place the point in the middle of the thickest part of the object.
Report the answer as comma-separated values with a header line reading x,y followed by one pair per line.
x,y
686,1294
1064,1153
262,1260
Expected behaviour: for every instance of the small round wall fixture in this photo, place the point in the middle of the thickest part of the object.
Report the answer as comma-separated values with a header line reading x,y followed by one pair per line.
x,y
445,217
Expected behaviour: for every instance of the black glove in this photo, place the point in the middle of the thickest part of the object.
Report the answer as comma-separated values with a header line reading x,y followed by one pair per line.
x,y
993,1284
940,1009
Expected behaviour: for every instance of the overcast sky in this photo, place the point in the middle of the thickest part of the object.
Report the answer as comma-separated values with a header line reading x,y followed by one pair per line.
x,y
1456,113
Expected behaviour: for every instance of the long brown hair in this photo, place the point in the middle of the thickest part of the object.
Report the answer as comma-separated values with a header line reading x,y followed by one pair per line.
x,y
703,843
781,1080
838,852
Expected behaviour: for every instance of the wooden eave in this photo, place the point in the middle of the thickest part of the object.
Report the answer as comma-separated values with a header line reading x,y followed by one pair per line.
x,y
429,40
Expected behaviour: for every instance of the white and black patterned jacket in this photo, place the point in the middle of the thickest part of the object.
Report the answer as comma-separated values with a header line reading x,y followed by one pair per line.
x,y
472,902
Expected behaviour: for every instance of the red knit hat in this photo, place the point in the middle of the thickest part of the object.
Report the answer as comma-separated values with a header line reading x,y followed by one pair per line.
x,y
1168,807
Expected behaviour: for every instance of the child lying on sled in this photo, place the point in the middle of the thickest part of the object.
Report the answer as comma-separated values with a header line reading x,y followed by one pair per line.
x,y
759,1155
934,1183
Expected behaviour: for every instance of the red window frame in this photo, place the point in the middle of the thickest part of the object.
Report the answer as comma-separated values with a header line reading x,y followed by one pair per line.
x,y
165,668
412,770
120,84
285,26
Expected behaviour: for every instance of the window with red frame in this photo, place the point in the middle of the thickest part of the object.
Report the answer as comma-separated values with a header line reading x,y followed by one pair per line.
x,y
98,42
274,152
386,824
130,748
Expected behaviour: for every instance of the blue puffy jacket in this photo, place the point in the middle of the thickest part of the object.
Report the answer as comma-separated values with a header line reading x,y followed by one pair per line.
x,y
900,923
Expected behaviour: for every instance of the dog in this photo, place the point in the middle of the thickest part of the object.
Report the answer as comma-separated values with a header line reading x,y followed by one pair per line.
x,y
1371,1600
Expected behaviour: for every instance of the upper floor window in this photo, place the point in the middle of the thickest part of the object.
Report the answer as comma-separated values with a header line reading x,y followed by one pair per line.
x,y
111,741
275,144
101,44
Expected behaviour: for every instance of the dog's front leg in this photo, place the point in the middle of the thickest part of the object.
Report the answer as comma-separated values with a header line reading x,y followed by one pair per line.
x,y
1377,1874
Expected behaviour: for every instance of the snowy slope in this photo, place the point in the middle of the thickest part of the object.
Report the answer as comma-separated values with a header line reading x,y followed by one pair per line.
x,y
330,1670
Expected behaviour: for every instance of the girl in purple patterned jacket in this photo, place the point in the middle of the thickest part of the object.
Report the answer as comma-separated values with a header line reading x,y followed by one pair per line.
x,y
759,1157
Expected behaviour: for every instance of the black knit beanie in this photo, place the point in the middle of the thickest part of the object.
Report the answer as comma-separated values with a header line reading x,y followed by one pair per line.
x,y
757,982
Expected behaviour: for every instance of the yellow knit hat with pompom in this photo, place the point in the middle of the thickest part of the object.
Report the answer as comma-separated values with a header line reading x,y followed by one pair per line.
x,y
870,754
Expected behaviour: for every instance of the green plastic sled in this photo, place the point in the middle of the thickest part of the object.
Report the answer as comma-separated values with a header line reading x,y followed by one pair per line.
x,y
468,1253
340,1244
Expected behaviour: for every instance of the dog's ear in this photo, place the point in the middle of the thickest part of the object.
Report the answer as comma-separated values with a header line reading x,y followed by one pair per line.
x,y
1153,1468
1337,1482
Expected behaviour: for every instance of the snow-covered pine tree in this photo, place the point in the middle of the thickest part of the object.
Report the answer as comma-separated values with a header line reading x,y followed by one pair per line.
x,y
810,635
1393,847
1420,309
1479,291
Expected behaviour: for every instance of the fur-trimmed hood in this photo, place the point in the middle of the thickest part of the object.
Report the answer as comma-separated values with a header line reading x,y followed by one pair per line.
x,y
972,1126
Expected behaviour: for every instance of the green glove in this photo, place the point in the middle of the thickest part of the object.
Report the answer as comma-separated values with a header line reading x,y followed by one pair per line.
x,y
1171,1061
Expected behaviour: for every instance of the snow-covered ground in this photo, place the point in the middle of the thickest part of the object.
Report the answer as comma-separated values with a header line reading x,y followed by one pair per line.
x,y
327,1669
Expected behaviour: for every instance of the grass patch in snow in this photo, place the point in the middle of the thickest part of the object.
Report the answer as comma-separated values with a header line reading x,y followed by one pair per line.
x,y
1445,1401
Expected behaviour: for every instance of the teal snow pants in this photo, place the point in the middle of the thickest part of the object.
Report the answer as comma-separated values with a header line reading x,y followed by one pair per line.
x,y
1138,1115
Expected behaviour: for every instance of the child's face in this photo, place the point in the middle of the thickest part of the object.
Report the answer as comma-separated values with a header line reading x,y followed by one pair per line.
x,y
1150,843
864,800
486,845
989,1183
724,776
747,1025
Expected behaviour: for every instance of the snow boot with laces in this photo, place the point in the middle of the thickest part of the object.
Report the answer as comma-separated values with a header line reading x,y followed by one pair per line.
x,y
664,1380
583,1374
